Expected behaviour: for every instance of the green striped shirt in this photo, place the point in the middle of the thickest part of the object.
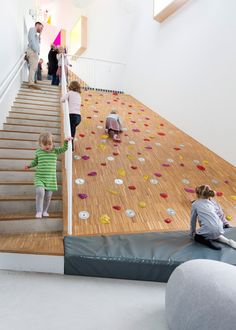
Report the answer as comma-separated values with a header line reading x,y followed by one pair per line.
x,y
46,172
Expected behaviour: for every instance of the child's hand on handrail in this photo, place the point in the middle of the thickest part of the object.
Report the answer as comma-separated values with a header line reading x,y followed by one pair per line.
x,y
69,139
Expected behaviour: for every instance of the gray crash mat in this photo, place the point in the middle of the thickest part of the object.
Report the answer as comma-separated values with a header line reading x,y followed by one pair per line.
x,y
148,256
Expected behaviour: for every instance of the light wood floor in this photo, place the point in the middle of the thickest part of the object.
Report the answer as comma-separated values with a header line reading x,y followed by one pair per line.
x,y
35,243
103,193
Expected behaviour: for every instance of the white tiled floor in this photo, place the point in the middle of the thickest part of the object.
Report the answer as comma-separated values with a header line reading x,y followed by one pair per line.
x,y
31,301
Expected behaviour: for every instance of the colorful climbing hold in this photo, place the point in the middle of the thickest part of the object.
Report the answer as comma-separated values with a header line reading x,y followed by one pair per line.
x,y
164,195
104,219
168,220
92,174
142,205
229,217
83,196
219,193
190,190
132,187
116,207
85,157
201,168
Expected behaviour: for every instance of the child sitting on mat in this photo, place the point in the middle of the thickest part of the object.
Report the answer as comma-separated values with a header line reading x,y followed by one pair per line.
x,y
113,125
211,220
45,179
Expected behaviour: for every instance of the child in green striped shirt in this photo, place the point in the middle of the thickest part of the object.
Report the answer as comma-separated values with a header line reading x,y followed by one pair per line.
x,y
45,179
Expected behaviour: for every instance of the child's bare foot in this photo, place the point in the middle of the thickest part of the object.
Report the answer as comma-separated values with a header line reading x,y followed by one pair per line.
x,y
38,215
45,214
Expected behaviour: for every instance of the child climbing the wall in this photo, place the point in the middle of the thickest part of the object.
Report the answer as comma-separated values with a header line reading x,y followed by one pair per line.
x,y
45,179
74,101
211,220
113,125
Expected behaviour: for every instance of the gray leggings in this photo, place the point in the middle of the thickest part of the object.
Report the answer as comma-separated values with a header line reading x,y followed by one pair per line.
x,y
43,198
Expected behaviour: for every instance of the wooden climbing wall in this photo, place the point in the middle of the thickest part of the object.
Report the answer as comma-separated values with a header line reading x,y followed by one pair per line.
x,y
157,167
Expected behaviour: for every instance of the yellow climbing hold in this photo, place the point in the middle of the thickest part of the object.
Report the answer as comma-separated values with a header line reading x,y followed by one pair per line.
x,y
206,162
229,217
105,219
130,147
152,137
113,192
104,137
121,172
130,157
181,157
233,197
101,146
146,177
142,205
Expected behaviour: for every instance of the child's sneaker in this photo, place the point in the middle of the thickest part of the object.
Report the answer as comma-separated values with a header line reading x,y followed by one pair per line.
x,y
38,215
45,214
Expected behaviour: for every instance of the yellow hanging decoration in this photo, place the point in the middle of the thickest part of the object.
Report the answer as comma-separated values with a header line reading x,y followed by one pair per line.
x,y
121,172
104,219
49,21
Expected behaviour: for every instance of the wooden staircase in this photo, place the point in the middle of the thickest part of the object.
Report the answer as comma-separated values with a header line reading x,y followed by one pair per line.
x,y
33,112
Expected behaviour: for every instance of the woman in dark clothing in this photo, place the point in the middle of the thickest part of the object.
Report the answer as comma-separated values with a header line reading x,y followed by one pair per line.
x,y
53,65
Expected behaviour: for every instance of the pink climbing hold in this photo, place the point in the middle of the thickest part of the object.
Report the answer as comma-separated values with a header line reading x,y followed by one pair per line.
x,y
85,157
219,193
136,130
166,165
82,196
92,174
189,190
158,174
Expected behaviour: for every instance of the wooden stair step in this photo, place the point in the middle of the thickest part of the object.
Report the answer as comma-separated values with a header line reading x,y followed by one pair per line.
x,y
25,198
6,217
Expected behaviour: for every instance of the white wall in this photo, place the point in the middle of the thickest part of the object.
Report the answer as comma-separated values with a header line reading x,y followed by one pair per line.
x,y
189,65
13,33
109,25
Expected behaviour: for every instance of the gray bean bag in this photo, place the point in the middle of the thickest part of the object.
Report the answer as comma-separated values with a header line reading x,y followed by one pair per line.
x,y
201,295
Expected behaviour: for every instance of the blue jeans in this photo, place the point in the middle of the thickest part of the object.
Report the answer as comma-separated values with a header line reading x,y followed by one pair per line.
x,y
55,80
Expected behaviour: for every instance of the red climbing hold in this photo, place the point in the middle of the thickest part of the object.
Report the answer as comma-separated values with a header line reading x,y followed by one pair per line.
x,y
82,135
161,134
219,193
132,187
167,220
134,167
117,207
201,168
103,164
177,148
163,195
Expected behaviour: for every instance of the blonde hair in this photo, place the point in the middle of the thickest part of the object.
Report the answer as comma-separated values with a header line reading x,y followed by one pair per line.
x,y
75,86
45,139
61,49
204,191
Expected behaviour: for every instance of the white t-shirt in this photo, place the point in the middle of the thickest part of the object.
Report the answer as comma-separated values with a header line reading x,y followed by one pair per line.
x,y
74,100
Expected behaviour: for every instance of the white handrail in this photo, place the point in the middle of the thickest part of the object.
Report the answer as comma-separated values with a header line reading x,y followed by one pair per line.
x,y
6,85
68,155
96,59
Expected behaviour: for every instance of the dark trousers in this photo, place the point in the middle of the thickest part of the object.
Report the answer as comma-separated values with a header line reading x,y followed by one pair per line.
x,y
55,80
74,122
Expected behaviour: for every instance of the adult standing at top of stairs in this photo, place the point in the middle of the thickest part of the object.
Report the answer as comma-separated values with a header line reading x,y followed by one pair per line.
x,y
33,51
